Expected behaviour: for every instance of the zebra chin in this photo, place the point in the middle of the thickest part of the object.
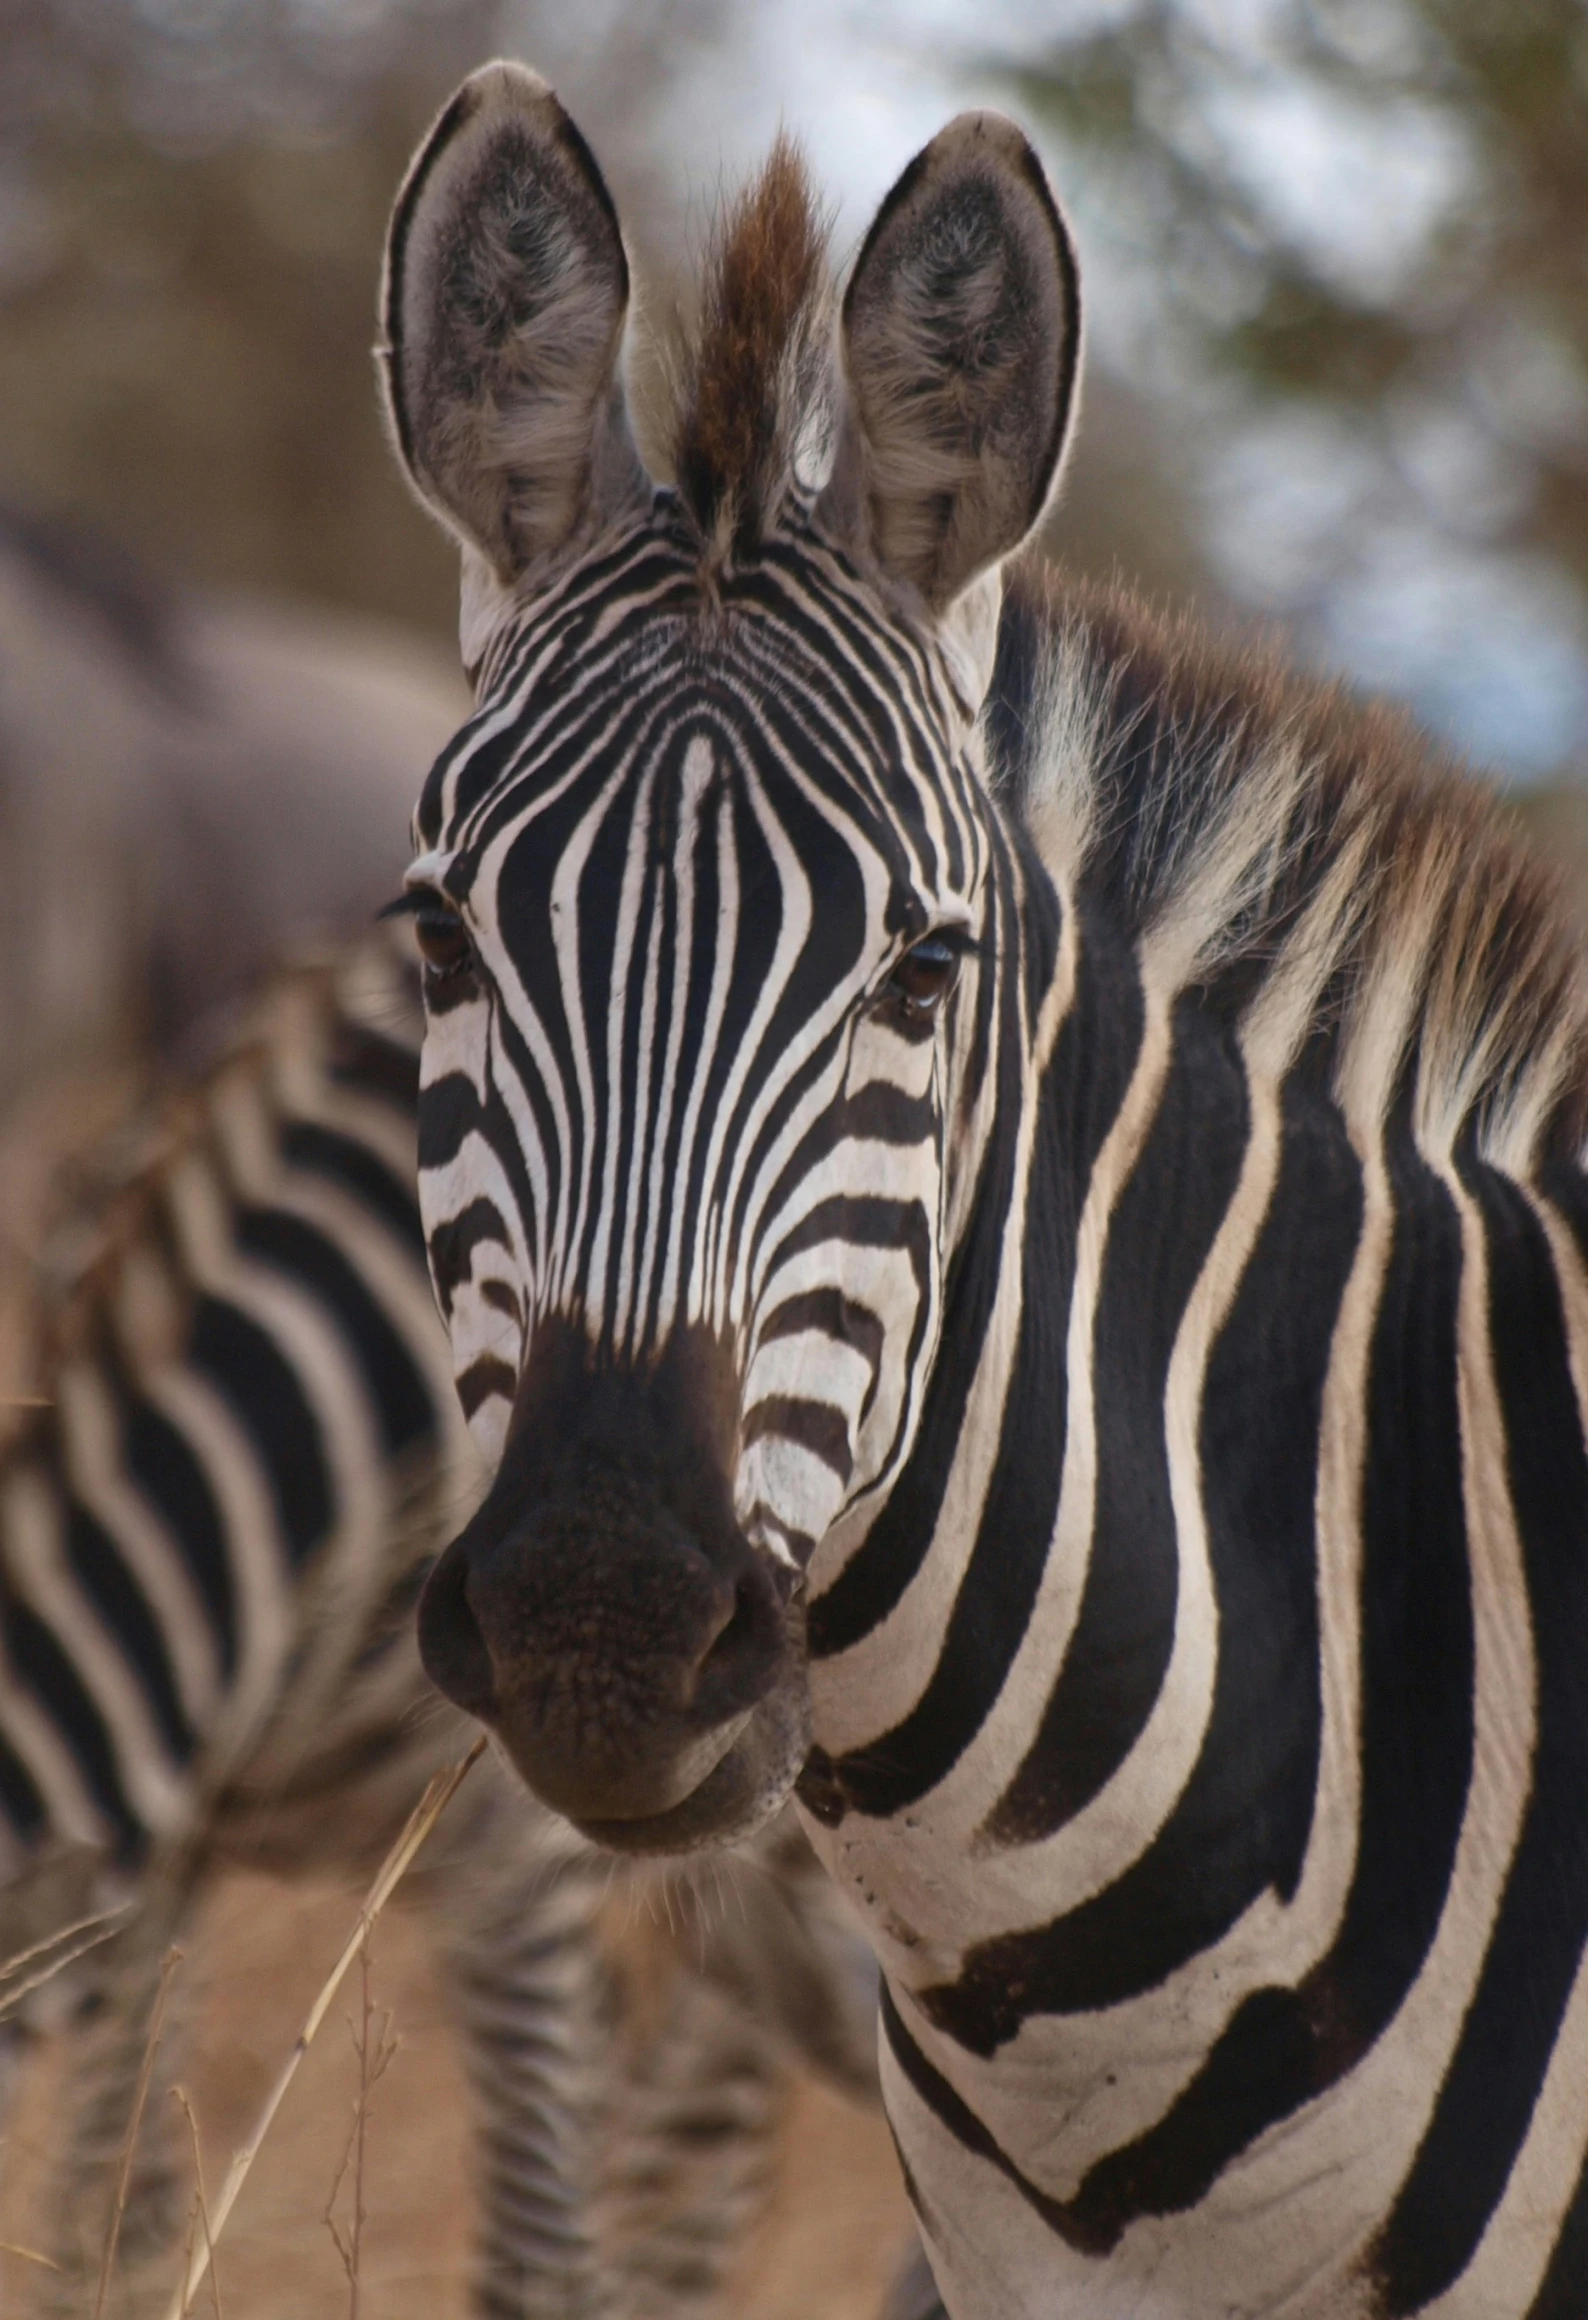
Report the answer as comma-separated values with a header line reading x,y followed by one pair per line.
x,y
638,1659
744,1789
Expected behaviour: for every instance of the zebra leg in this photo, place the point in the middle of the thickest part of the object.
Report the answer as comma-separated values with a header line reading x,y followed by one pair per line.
x,y
698,2096
631,2078
627,2101
516,1913
766,1923
784,1945
108,2043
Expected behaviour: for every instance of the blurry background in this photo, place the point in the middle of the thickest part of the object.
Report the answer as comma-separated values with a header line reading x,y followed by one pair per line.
x,y
1336,260
1336,268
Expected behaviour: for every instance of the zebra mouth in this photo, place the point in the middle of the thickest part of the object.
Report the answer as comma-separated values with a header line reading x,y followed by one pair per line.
x,y
750,1781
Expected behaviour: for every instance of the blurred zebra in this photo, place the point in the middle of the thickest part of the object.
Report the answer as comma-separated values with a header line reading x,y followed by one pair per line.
x,y
211,1537
194,785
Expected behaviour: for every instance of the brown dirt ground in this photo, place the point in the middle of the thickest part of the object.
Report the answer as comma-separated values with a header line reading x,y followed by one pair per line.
x,y
827,2245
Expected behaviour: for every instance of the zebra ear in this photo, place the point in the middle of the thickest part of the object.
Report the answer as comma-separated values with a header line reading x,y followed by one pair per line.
x,y
961,343
503,301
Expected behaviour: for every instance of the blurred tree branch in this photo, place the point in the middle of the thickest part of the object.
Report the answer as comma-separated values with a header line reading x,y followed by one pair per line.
x,y
193,195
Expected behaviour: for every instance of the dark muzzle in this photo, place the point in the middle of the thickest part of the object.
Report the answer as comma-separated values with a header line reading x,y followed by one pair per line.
x,y
602,1613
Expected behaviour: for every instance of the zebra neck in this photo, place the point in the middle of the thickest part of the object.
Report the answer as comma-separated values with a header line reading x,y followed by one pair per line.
x,y
1249,1703
1087,1621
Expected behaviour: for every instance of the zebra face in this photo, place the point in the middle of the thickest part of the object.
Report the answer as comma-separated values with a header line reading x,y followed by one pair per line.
x,y
693,968
697,962
704,898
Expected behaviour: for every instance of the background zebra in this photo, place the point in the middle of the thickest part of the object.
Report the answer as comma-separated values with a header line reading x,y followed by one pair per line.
x,y
1008,1190
210,1543
211,1537
194,786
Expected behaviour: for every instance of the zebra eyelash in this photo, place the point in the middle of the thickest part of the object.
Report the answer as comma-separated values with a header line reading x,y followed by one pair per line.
x,y
960,940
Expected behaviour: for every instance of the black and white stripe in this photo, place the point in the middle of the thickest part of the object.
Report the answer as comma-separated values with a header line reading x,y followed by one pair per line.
x,y
210,1541
213,1525
1162,1355
670,1125
1222,1740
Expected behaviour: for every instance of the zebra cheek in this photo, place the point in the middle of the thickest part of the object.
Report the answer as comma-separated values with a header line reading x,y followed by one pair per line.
x,y
488,1426
786,1492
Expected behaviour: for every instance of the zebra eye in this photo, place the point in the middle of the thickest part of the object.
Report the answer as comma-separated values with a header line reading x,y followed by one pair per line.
x,y
925,976
444,944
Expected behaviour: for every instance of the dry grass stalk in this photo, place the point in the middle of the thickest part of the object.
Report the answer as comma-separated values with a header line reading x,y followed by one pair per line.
x,y
200,2217
376,2049
98,1928
9,2247
192,2234
58,1933
169,1964
417,1827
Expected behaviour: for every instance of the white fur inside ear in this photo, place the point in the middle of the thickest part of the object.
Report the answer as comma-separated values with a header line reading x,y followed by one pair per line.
x,y
961,339
968,635
506,290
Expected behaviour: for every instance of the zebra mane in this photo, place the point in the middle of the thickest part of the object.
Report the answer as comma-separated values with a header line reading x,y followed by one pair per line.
x,y
754,374
105,1275
1310,864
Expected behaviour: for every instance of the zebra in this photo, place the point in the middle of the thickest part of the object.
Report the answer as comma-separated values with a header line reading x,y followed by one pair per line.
x,y
1006,1180
212,1532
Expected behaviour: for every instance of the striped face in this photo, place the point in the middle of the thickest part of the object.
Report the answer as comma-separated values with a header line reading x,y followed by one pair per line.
x,y
700,894
705,892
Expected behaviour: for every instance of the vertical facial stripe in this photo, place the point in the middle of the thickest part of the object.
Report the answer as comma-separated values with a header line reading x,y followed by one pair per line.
x,y
686,869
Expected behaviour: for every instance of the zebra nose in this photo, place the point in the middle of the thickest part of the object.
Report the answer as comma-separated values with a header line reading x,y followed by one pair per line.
x,y
451,1647
617,1675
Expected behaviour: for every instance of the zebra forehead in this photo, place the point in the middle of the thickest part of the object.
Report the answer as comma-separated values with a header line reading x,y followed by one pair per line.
x,y
674,715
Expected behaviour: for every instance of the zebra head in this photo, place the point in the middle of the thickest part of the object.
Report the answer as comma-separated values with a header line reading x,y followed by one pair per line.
x,y
710,896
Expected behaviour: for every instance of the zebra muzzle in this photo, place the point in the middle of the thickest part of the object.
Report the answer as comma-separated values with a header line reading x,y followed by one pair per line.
x,y
603,1613
614,1692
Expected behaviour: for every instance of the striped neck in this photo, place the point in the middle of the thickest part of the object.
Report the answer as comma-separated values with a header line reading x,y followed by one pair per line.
x,y
1195,1728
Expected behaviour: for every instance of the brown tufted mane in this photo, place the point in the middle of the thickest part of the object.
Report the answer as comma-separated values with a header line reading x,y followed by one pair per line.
x,y
755,367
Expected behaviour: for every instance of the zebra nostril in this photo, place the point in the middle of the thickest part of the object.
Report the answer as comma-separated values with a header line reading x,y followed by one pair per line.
x,y
736,1664
452,1649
